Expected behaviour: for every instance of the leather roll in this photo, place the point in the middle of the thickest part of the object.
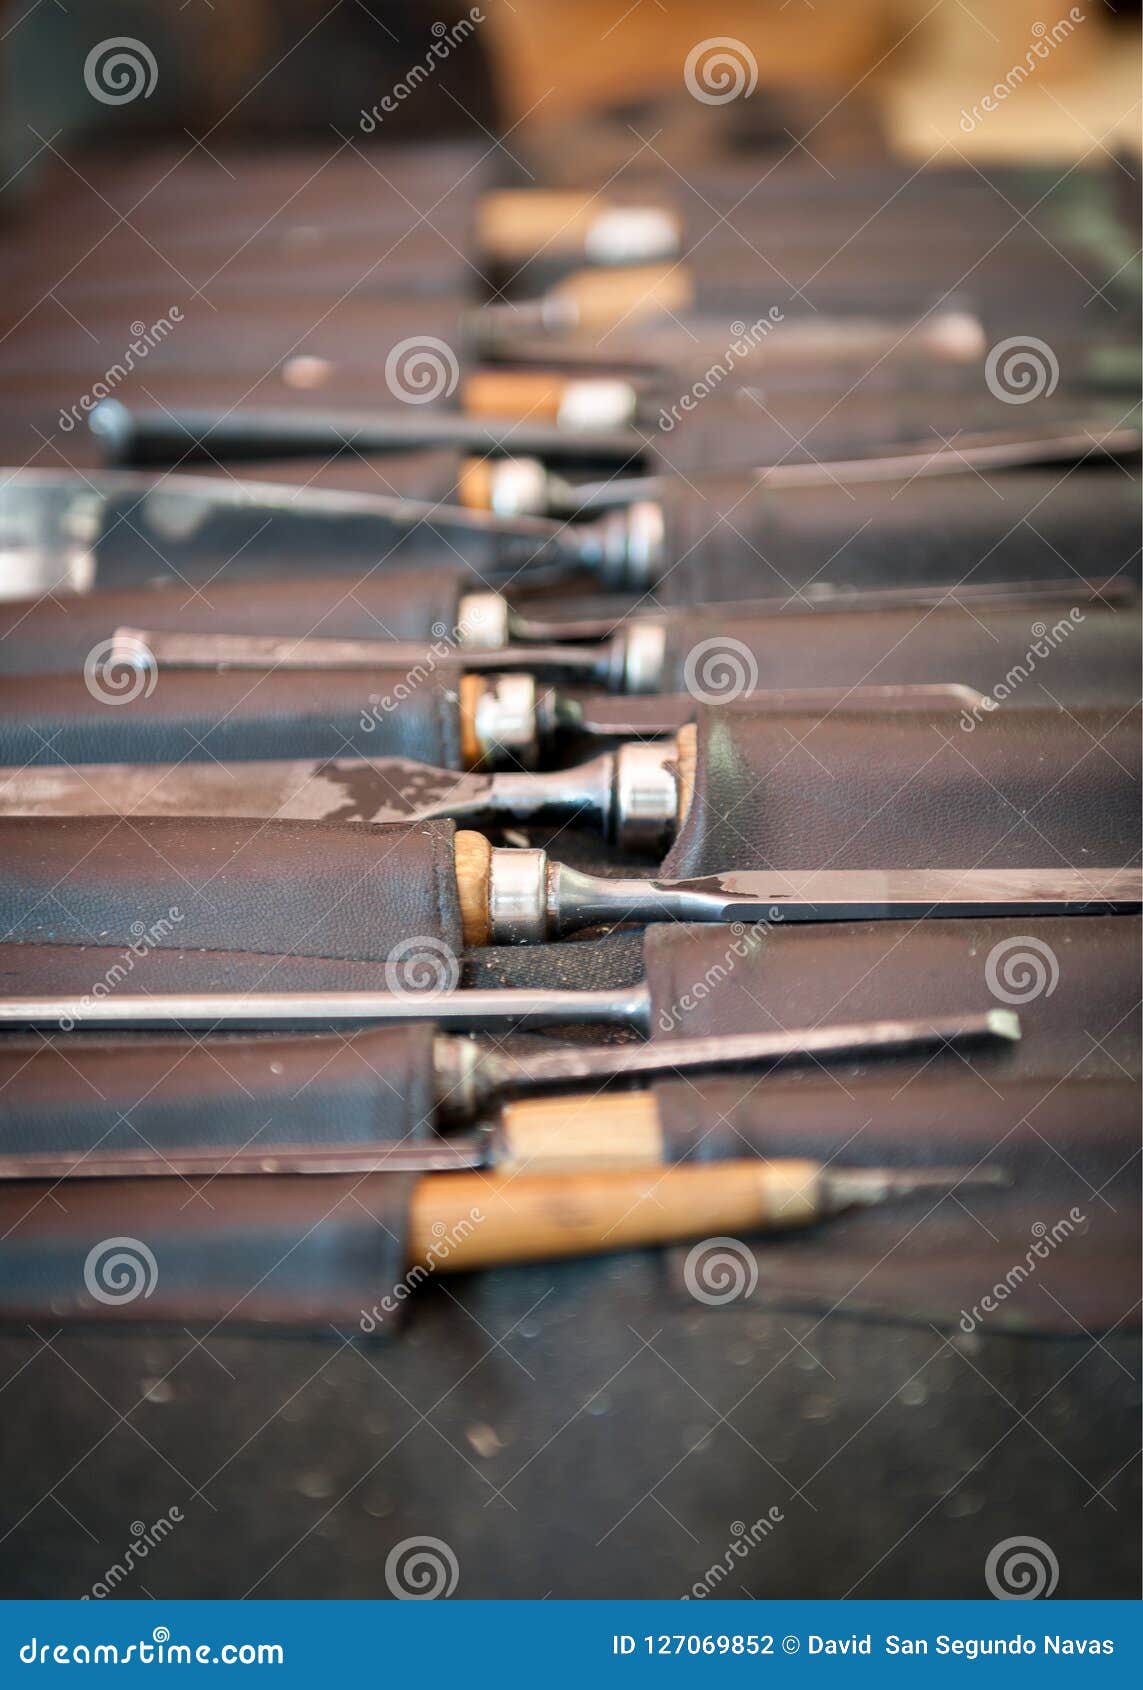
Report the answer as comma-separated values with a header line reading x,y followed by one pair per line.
x,y
266,888
843,287
731,537
1027,789
909,1114
299,1253
727,430
158,1094
53,635
1067,977
1055,1250
1064,653
66,970
233,716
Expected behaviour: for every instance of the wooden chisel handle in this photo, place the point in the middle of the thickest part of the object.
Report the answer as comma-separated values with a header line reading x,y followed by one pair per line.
x,y
572,1133
513,225
514,393
535,1217
516,225
603,298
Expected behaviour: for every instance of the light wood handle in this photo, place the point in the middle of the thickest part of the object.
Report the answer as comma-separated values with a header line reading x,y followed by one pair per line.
x,y
686,762
473,856
535,1217
534,394
605,297
470,692
516,224
474,484
562,1134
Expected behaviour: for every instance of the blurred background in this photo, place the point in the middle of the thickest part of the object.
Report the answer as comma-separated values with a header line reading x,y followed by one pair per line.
x,y
254,66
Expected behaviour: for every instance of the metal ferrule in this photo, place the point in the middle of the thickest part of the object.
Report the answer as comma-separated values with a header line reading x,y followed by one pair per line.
x,y
626,546
646,543
595,404
505,722
518,487
482,622
518,897
640,650
462,1082
633,234
645,801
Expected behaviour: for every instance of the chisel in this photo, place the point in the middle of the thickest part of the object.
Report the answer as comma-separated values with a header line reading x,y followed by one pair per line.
x,y
137,436
522,896
526,899
616,791
351,1249
384,1094
71,533
711,651
643,313
798,451
636,794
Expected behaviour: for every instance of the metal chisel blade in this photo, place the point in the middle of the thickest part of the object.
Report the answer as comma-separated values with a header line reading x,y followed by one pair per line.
x,y
576,1063
869,894
373,790
443,1156
175,650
